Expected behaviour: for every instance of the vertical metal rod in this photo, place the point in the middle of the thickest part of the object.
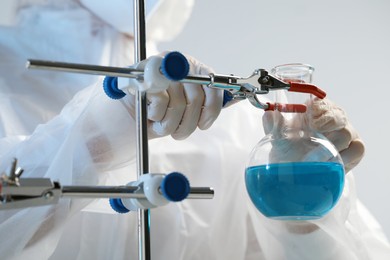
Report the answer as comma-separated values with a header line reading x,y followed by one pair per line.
x,y
144,252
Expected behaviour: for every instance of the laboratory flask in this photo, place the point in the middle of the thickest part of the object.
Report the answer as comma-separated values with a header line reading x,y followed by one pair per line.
x,y
294,172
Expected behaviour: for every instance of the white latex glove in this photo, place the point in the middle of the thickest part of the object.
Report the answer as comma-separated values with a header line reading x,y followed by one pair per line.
x,y
330,120
182,108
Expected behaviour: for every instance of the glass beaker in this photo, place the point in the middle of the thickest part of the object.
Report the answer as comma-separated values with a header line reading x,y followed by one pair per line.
x,y
294,172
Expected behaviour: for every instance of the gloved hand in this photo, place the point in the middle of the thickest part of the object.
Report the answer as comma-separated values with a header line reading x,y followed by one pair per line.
x,y
180,109
330,120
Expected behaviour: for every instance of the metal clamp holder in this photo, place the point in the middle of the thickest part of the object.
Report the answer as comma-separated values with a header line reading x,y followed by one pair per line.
x,y
260,82
17,192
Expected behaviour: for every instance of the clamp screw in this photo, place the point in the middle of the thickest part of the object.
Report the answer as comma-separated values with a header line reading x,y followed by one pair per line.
x,y
265,80
48,195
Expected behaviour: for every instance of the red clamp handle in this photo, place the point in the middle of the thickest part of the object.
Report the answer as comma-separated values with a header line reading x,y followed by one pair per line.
x,y
307,88
289,108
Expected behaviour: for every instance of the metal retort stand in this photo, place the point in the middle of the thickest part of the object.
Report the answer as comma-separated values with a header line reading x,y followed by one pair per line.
x,y
18,192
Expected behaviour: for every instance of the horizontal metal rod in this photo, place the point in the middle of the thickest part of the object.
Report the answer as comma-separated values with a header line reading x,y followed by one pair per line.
x,y
84,68
125,192
218,81
201,193
101,192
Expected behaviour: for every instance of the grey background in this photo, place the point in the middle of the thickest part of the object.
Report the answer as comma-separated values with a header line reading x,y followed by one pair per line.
x,y
346,41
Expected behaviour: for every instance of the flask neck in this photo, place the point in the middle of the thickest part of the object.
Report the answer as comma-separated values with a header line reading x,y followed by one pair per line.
x,y
292,120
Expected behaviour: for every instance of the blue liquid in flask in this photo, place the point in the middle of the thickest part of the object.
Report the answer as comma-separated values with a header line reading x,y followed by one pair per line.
x,y
295,190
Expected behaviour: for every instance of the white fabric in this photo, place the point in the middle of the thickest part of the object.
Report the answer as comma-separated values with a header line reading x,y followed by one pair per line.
x,y
8,9
159,13
91,142
118,13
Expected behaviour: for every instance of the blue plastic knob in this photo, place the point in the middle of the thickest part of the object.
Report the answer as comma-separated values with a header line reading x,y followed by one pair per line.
x,y
117,205
110,86
227,97
175,187
175,66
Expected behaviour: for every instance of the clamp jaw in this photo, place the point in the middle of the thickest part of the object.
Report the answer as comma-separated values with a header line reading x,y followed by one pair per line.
x,y
260,83
16,192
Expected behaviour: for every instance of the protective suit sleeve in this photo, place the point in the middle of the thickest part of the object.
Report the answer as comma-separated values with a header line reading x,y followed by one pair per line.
x,y
78,147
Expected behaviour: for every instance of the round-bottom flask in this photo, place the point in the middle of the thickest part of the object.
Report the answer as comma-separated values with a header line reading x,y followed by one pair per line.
x,y
294,172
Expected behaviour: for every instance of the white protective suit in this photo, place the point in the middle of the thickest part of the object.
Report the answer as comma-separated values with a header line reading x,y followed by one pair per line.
x,y
54,122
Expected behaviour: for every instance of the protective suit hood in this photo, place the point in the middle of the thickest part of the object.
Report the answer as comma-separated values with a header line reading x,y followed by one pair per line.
x,y
165,18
